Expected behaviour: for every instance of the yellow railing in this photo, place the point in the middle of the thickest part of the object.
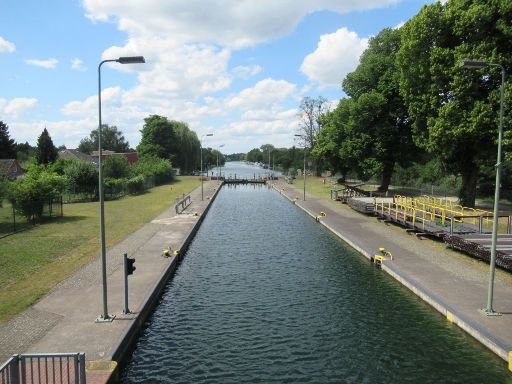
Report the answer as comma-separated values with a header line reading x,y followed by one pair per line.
x,y
426,209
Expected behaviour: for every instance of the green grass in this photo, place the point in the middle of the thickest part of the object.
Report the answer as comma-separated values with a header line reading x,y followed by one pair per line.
x,y
315,186
32,262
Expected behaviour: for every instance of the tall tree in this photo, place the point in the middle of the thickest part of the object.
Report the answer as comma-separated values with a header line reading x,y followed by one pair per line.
x,y
170,139
310,112
454,109
379,111
112,139
46,152
7,145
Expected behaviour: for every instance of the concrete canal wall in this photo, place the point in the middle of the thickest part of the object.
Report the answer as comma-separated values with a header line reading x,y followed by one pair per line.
x,y
455,295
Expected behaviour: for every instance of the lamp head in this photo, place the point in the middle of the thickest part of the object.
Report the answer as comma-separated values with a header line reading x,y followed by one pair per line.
x,y
209,134
474,64
131,60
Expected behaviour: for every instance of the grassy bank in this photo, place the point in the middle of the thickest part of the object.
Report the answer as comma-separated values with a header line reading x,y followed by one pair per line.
x,y
34,261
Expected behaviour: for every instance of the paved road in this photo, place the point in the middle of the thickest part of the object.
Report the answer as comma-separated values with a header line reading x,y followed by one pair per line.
x,y
450,281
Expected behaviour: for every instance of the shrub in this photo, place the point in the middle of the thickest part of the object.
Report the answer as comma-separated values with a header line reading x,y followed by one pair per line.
x,y
152,166
135,184
116,167
38,186
114,187
81,177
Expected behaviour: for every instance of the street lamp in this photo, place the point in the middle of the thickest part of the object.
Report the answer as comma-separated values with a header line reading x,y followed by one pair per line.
x,y
489,311
201,144
218,150
302,137
122,60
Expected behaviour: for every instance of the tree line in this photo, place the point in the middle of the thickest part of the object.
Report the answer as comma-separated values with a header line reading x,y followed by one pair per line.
x,y
409,102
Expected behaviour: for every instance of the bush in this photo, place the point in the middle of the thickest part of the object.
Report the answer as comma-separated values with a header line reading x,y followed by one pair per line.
x,y
81,177
38,186
114,187
152,166
135,184
116,167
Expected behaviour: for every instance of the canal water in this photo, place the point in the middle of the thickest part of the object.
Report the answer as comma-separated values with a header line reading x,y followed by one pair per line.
x,y
266,295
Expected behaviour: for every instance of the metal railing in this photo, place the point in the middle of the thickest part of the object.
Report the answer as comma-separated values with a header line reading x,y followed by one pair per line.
x,y
51,368
182,202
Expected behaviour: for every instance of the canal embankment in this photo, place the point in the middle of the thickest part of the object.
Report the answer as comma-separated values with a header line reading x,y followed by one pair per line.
x,y
454,285
64,320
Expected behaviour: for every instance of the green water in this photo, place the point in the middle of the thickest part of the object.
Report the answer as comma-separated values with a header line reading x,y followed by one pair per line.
x,y
265,295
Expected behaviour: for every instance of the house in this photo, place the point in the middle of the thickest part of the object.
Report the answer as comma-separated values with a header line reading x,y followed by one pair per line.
x,y
75,154
132,157
11,169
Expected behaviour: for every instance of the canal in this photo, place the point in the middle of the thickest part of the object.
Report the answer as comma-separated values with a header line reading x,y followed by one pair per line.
x,y
266,295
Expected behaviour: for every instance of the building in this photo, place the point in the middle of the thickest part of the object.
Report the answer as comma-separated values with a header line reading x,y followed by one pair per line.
x,y
11,169
132,157
75,154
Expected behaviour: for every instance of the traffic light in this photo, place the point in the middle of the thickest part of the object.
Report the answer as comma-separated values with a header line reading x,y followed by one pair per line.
x,y
129,266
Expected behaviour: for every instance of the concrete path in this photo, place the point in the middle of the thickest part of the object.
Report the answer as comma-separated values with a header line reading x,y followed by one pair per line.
x,y
453,283
64,320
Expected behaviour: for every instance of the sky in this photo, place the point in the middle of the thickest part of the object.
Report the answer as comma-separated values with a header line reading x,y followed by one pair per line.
x,y
234,68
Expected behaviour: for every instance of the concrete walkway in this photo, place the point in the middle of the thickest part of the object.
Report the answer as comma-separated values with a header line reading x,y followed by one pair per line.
x,y
454,284
64,320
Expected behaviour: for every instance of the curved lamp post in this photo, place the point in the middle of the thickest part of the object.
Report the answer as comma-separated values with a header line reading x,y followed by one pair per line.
x,y
302,137
489,311
104,315
201,145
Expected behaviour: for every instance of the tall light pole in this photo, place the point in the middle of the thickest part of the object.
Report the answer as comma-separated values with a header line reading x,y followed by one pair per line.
x,y
302,137
218,150
489,311
104,315
201,144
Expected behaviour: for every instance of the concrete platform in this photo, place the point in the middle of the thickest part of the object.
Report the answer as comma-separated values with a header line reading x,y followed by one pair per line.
x,y
452,283
64,320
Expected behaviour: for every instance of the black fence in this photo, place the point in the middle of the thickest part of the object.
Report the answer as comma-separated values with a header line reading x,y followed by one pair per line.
x,y
16,218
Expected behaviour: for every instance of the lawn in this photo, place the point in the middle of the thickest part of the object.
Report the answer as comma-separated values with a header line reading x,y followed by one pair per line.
x,y
315,186
32,262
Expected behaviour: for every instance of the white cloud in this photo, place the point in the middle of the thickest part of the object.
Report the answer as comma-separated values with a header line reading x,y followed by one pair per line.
x,y
231,23
399,25
47,64
6,46
78,65
17,106
67,132
337,54
264,94
246,72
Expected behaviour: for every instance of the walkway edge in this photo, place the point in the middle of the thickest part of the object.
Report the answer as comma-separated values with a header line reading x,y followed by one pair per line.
x,y
498,346
127,341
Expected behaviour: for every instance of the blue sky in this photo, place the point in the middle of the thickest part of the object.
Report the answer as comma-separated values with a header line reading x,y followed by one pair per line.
x,y
235,68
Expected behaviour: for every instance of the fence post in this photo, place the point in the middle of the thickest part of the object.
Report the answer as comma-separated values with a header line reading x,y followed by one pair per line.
x,y
82,368
14,369
481,224
509,225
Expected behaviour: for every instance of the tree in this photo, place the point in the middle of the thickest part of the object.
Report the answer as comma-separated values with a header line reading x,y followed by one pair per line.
x,y
170,139
310,111
81,177
379,112
454,109
7,145
112,139
24,151
46,152
116,167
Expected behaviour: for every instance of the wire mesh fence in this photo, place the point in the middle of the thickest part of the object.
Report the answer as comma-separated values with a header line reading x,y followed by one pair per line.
x,y
14,218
